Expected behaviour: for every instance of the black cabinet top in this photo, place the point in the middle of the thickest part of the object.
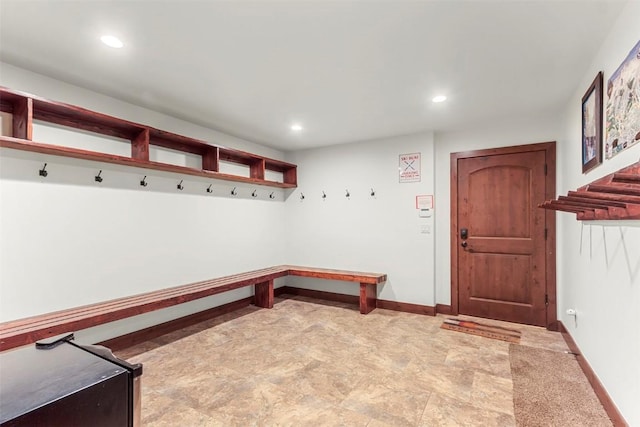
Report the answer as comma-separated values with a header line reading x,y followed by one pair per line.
x,y
31,378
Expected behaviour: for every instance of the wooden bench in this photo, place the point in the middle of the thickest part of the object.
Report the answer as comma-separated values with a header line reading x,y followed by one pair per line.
x,y
26,331
368,282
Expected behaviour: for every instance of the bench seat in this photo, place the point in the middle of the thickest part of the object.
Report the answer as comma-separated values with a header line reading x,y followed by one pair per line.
x,y
25,331
368,282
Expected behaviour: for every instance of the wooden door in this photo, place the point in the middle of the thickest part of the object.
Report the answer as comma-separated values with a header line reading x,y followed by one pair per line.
x,y
501,235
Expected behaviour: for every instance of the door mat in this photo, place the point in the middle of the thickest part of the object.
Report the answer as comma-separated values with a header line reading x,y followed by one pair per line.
x,y
482,330
550,389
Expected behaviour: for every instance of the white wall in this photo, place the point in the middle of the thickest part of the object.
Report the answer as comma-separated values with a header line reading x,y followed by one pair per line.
x,y
66,240
599,266
506,132
380,233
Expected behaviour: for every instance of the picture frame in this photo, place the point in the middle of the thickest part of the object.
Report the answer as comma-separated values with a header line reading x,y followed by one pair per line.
x,y
623,105
592,125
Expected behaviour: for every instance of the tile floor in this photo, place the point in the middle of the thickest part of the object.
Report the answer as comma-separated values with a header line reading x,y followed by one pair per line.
x,y
310,362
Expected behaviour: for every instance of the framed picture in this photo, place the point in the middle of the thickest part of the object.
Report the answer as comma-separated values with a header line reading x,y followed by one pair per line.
x,y
623,105
592,125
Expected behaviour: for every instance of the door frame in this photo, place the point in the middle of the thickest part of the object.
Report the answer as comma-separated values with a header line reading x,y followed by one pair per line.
x,y
550,221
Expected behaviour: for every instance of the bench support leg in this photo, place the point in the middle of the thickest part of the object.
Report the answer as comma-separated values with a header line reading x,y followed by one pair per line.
x,y
264,294
368,297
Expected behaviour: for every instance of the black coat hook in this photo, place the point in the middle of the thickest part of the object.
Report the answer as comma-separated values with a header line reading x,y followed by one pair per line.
x,y
324,195
271,196
301,196
98,178
234,192
255,193
209,190
373,193
347,194
43,172
144,182
180,186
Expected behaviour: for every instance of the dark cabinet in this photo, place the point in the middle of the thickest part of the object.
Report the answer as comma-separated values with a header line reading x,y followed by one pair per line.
x,y
62,383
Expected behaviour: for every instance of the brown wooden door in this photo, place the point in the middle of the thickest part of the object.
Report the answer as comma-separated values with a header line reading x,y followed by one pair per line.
x,y
502,271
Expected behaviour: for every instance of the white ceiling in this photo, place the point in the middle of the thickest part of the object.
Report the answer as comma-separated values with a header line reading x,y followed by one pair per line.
x,y
346,71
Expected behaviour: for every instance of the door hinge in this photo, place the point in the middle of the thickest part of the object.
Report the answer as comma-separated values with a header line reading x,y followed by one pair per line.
x,y
546,233
545,168
546,300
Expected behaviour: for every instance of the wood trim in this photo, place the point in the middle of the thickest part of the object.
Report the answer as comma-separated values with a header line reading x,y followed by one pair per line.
x,y
290,176
406,307
453,233
257,169
210,159
79,118
355,300
443,309
311,293
23,118
152,332
140,146
279,291
514,149
609,406
550,157
550,223
172,141
128,340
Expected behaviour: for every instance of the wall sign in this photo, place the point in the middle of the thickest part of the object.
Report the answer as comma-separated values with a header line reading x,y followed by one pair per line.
x,y
424,201
409,167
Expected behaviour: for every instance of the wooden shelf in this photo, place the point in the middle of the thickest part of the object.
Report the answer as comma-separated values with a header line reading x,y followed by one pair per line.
x,y
613,197
36,147
26,108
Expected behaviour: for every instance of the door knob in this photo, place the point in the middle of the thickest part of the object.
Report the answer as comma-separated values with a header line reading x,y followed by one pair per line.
x,y
464,233
464,243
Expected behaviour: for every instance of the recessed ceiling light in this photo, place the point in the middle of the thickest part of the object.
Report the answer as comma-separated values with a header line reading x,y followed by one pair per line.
x,y
112,41
439,98
296,127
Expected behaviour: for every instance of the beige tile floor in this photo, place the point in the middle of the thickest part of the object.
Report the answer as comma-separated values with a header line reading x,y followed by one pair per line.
x,y
310,362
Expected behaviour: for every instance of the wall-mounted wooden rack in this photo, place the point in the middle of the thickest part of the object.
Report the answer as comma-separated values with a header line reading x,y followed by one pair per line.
x,y
613,197
26,108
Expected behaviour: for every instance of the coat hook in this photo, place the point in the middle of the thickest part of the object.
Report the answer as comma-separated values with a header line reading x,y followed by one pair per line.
x,y
180,186
324,195
98,178
301,196
43,172
255,193
347,194
144,182
373,193
234,192
271,196
209,190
